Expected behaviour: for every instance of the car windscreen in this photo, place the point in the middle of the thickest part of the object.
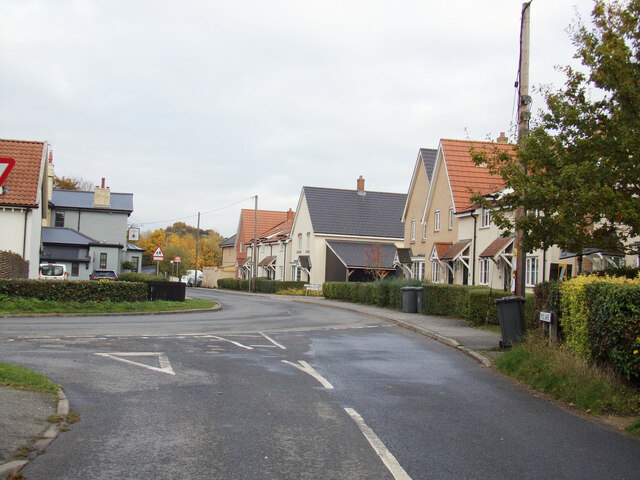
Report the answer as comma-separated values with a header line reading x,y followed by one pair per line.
x,y
52,270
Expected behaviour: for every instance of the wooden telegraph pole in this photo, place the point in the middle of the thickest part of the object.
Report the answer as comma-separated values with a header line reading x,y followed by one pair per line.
x,y
195,275
254,253
524,114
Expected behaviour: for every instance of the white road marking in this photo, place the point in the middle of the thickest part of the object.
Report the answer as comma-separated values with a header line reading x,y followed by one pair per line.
x,y
165,366
282,347
237,344
385,455
308,369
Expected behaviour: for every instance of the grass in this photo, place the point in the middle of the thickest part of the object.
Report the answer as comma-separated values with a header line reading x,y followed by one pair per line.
x,y
24,379
16,305
569,379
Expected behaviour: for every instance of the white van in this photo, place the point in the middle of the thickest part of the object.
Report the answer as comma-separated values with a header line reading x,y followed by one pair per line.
x,y
53,271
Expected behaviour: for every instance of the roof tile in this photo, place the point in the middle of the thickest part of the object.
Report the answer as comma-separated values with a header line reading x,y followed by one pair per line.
x,y
24,180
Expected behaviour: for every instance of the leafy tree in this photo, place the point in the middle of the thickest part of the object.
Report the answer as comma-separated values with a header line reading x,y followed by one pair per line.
x,y
72,183
577,173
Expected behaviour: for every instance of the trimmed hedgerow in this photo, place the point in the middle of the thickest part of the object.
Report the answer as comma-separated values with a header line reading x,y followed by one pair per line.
x,y
613,329
263,285
140,277
75,291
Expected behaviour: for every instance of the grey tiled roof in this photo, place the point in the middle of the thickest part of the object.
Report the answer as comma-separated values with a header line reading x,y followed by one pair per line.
x,y
345,212
429,159
78,199
131,246
65,236
229,242
354,254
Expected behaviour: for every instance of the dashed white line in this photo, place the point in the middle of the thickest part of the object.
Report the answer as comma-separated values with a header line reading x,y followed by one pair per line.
x,y
308,369
383,452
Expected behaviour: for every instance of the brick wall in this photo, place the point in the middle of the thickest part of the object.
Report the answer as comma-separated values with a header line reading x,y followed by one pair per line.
x,y
13,265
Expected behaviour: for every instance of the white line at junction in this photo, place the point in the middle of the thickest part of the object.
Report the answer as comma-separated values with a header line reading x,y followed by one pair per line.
x,y
280,346
163,360
308,369
383,452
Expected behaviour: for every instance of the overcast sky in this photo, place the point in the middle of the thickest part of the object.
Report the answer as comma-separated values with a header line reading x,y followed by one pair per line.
x,y
198,105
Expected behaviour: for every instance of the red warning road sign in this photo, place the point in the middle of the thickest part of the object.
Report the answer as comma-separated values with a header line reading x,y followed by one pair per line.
x,y
6,165
158,254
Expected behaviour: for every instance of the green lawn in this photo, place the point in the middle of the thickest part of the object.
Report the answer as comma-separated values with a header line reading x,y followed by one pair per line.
x,y
25,379
16,305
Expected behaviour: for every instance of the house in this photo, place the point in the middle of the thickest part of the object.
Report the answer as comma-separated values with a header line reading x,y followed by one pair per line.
x,y
227,267
345,235
23,200
247,226
415,233
273,250
95,220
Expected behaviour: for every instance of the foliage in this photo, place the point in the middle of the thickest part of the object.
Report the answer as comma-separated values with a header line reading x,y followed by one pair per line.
x,y
614,326
72,183
374,260
24,379
557,372
127,265
74,291
576,173
263,285
140,277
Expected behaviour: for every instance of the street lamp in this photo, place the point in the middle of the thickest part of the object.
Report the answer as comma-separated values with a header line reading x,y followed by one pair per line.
x,y
171,261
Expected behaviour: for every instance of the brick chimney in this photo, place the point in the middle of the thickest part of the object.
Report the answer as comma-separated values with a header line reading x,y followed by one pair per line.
x,y
361,186
290,214
102,195
502,138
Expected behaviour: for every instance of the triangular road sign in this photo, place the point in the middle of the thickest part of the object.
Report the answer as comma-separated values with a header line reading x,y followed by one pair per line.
x,y
6,165
163,361
158,254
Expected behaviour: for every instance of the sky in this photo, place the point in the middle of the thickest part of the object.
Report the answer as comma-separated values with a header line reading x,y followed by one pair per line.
x,y
198,106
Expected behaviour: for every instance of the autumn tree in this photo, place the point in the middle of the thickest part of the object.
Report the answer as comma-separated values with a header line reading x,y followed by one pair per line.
x,y
577,173
73,183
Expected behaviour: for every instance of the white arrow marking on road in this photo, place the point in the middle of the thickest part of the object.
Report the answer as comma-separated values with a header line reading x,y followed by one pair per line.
x,y
165,366
385,455
230,341
306,368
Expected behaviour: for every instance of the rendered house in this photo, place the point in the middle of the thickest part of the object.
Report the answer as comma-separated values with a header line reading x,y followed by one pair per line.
x,y
267,220
99,221
415,234
273,249
345,235
23,200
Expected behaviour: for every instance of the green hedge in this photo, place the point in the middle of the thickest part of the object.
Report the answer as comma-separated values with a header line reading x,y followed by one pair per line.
x,y
385,293
263,285
75,291
614,327
140,277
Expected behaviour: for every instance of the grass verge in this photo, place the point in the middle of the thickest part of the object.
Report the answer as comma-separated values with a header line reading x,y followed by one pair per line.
x,y
24,379
569,379
10,305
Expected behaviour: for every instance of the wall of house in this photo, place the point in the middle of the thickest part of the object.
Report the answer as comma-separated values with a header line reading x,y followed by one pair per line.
x,y
113,258
415,209
104,226
301,226
228,256
14,231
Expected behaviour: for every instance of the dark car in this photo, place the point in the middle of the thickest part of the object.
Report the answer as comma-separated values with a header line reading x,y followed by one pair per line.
x,y
103,275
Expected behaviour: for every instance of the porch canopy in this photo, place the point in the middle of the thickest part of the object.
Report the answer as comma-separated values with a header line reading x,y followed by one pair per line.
x,y
498,249
361,259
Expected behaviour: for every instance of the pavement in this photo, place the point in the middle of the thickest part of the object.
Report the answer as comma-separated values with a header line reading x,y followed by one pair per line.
x,y
23,414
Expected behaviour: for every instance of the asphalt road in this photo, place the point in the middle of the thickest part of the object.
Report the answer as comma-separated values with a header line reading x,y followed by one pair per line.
x,y
268,389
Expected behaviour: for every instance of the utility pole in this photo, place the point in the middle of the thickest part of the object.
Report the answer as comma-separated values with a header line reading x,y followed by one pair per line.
x,y
195,274
524,114
254,253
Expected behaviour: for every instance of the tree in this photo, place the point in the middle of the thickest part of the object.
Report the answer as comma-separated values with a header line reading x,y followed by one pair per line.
x,y
375,262
577,173
72,183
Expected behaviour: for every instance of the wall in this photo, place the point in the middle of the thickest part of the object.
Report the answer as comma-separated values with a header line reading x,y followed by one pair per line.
x,y
415,208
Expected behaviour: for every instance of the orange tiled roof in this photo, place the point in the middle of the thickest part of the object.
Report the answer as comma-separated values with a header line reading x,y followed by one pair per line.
x,y
23,181
465,177
441,248
497,246
455,250
281,230
267,219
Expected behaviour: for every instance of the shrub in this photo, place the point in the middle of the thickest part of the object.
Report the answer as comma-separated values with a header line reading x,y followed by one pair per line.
x,y
140,277
614,326
75,291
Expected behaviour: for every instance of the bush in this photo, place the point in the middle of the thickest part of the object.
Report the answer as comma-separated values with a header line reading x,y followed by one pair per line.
x,y
263,285
140,277
75,291
614,327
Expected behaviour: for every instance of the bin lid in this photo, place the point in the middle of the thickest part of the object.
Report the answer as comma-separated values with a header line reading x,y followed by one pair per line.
x,y
508,299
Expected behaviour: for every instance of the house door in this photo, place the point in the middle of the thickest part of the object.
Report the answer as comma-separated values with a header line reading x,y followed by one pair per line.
x,y
465,275
449,276
506,275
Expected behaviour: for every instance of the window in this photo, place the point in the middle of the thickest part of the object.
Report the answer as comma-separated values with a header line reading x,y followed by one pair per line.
x,y
435,272
484,271
437,221
136,263
413,230
531,273
308,240
75,269
424,232
281,268
450,218
486,218
299,241
103,260
59,219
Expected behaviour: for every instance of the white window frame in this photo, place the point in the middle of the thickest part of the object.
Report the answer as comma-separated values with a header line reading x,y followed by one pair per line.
x,y
308,240
299,241
436,226
435,271
485,218
531,272
484,271
413,230
450,218
424,232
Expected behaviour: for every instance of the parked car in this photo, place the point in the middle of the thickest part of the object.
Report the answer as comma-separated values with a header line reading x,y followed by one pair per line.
x,y
103,275
189,277
53,271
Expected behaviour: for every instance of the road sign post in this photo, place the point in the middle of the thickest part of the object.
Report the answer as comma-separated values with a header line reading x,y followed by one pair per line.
x,y
158,256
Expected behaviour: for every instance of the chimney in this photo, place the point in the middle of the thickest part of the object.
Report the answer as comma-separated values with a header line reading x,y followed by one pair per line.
x,y
502,138
290,214
361,186
102,195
